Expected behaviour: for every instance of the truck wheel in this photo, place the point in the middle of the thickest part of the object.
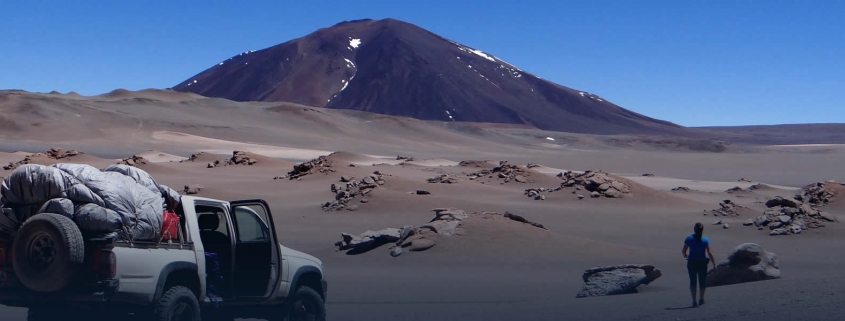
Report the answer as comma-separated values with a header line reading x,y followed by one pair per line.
x,y
47,251
306,304
177,304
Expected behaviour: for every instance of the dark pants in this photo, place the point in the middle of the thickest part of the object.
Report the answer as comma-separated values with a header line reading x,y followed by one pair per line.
x,y
697,269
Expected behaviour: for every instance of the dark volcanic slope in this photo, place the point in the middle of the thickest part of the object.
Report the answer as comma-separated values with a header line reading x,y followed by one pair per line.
x,y
396,68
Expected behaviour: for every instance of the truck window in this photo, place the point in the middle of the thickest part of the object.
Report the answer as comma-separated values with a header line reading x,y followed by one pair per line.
x,y
222,225
252,227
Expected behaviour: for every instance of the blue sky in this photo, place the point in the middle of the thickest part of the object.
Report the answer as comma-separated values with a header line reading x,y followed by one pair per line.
x,y
695,63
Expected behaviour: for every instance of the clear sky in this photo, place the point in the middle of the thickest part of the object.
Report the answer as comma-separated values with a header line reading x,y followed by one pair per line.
x,y
695,63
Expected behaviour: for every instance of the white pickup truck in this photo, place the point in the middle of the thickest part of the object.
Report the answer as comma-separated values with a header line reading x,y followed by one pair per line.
x,y
226,263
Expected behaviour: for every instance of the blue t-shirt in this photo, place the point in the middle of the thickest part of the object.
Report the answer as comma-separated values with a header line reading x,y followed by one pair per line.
x,y
696,248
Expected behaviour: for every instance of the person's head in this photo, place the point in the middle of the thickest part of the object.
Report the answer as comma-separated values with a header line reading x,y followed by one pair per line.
x,y
699,230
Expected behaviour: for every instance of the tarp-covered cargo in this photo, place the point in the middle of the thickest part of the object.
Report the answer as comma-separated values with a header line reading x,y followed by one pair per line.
x,y
120,199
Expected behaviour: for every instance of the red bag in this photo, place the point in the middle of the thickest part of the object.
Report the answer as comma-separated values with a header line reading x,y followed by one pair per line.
x,y
169,226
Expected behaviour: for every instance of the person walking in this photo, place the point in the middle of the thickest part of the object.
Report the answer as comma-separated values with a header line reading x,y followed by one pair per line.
x,y
697,244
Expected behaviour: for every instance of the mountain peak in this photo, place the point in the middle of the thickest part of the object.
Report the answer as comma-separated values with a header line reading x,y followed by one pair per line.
x,y
393,67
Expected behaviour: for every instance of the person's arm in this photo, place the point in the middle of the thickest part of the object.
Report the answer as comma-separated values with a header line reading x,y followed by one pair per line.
x,y
711,256
684,251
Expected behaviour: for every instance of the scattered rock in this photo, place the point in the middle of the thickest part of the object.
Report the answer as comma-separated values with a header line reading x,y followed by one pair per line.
x,y
405,159
418,245
422,192
729,208
747,263
681,189
364,200
352,208
346,179
745,180
322,165
280,177
472,163
443,178
748,223
761,221
613,280
133,161
580,197
783,202
449,214
779,231
210,165
192,189
757,186
521,219
828,217
735,189
395,251
532,165
717,222
506,172
367,240
725,226
595,194
648,175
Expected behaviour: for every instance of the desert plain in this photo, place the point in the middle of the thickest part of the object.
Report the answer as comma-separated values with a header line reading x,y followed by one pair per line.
x,y
494,268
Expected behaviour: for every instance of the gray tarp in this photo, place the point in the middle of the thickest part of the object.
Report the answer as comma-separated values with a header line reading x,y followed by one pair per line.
x,y
61,206
171,198
104,201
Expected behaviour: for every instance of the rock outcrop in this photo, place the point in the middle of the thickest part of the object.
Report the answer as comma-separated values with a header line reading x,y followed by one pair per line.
x,y
748,262
818,194
445,223
618,279
240,158
596,182
322,165
346,193
53,153
790,216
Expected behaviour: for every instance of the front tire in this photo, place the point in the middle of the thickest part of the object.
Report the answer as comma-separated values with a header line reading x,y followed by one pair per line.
x,y
177,304
306,305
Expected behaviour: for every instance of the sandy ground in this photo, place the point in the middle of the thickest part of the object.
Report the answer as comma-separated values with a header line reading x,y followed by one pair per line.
x,y
496,271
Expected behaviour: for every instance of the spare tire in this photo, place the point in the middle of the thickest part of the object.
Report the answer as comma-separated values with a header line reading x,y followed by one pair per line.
x,y
47,251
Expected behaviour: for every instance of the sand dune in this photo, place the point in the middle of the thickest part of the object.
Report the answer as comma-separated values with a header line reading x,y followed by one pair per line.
x,y
160,157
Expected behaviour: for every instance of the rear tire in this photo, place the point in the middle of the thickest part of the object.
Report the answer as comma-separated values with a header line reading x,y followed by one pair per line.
x,y
48,250
177,304
306,304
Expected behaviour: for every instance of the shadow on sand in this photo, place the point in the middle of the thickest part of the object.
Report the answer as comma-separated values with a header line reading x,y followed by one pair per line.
x,y
683,308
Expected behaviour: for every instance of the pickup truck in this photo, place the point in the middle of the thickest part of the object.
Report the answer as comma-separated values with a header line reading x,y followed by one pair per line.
x,y
226,263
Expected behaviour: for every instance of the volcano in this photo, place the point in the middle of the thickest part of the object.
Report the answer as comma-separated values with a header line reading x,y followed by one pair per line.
x,y
397,68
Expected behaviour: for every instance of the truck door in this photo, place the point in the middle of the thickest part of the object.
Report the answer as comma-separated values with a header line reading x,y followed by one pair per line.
x,y
257,267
